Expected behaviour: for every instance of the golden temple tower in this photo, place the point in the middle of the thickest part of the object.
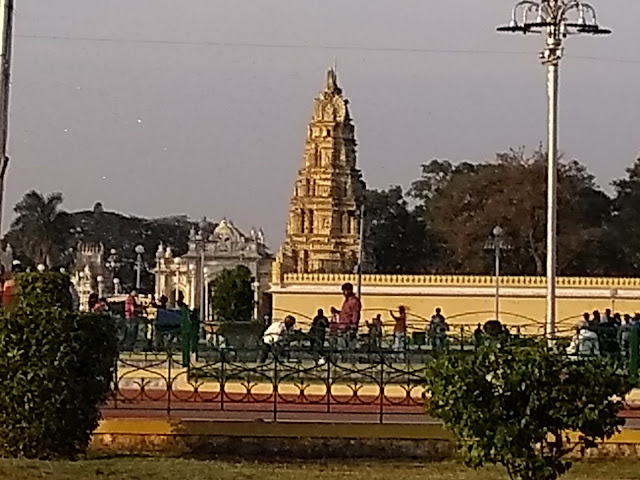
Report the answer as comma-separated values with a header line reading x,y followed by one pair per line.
x,y
323,226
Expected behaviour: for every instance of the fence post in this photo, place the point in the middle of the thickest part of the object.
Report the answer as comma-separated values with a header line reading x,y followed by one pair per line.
x,y
116,381
169,380
382,362
223,380
633,355
461,338
186,337
328,389
275,388
194,332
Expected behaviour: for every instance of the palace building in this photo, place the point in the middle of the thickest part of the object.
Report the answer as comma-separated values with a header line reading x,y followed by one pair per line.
x,y
323,225
213,249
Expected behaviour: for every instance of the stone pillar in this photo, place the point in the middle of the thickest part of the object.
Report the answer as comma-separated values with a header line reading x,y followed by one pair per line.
x,y
206,307
355,224
160,281
192,285
256,301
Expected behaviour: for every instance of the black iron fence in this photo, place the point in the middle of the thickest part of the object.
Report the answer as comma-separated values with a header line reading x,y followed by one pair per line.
x,y
182,368
290,384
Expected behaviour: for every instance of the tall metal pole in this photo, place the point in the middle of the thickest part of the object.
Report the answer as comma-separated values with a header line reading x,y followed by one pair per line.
x,y
360,252
203,287
551,57
138,270
6,39
556,19
497,281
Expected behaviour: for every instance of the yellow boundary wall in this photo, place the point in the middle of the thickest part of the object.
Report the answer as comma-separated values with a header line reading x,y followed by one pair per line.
x,y
465,300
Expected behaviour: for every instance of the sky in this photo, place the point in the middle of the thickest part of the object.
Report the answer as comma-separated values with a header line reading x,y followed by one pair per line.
x,y
200,107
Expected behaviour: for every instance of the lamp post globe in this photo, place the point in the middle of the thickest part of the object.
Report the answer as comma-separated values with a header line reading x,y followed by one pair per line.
x,y
139,251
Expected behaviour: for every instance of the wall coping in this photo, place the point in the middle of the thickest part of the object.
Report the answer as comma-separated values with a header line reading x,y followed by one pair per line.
x,y
459,280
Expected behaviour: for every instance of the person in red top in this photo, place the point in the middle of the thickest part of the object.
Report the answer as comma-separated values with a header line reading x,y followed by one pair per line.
x,y
348,315
9,286
131,311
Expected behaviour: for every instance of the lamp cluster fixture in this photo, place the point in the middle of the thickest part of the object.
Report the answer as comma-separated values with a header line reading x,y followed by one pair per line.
x,y
564,17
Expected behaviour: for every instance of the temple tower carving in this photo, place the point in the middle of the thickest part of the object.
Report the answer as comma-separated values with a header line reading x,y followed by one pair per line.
x,y
323,224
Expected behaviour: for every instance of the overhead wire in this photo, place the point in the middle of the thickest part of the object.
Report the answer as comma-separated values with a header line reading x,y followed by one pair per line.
x,y
293,46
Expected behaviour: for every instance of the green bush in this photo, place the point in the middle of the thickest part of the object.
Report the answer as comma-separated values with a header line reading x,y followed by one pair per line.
x,y
516,406
56,367
232,296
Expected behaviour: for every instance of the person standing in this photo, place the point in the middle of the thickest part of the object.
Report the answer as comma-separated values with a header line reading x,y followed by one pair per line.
x,y
477,335
596,318
75,298
317,334
624,335
9,285
608,316
438,331
375,333
348,316
399,331
180,303
92,302
131,310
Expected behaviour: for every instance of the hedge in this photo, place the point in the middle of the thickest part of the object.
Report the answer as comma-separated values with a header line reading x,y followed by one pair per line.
x,y
56,367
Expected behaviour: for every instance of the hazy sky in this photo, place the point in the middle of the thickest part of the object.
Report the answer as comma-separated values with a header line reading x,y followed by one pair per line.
x,y
159,107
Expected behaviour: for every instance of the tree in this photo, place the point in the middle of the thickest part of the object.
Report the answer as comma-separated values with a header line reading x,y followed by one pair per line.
x,y
463,203
232,296
517,406
625,223
51,230
41,227
56,366
396,238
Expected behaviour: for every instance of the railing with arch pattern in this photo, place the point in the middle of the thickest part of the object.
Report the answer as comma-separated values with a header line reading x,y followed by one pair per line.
x,y
361,379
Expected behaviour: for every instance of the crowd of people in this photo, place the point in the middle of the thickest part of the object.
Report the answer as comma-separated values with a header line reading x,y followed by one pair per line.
x,y
343,330
599,334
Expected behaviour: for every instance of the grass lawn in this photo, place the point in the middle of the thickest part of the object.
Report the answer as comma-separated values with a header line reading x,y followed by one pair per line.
x,y
128,468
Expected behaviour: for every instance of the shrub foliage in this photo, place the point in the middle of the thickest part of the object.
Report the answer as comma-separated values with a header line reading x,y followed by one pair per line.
x,y
56,367
526,408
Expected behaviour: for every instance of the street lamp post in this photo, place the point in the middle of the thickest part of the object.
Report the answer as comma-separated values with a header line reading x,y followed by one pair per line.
x,y
201,245
556,19
498,243
100,280
112,264
139,252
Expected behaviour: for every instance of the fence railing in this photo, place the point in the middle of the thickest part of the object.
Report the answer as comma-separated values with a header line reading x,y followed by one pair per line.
x,y
184,371
290,384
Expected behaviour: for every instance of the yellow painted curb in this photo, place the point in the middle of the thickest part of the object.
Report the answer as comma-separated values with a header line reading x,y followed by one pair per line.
x,y
136,426
271,429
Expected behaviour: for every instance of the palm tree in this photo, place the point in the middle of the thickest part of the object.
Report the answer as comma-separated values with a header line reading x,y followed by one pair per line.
x,y
39,225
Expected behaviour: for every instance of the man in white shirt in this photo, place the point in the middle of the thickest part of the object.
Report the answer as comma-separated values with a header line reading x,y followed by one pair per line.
x,y
585,343
274,337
